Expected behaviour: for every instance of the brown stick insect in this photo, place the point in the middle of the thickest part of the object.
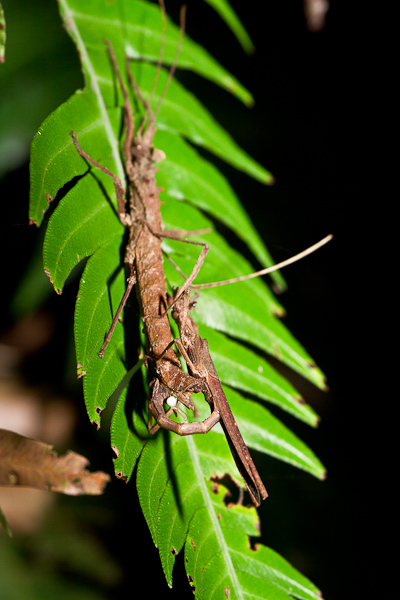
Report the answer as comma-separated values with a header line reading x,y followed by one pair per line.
x,y
196,353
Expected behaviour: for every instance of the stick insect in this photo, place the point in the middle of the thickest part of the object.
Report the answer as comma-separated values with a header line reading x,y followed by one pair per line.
x,y
197,356
195,352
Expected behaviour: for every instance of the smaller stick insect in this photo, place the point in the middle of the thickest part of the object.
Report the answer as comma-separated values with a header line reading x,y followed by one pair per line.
x,y
197,356
196,353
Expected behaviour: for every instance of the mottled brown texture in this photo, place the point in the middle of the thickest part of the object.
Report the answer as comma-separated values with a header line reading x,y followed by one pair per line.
x,y
197,355
145,254
32,463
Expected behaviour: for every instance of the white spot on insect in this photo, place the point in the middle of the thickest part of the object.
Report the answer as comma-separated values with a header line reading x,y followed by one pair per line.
x,y
260,368
172,401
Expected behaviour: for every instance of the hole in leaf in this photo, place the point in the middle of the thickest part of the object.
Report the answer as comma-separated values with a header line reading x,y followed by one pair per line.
x,y
233,493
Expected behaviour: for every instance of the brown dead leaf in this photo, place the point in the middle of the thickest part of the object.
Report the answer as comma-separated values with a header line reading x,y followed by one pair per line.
x,y
32,463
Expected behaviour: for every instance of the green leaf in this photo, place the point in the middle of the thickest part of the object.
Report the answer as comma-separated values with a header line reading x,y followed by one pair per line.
x,y
245,370
136,27
187,176
240,321
183,508
237,571
100,292
127,438
265,433
236,316
232,20
54,159
3,521
181,112
84,224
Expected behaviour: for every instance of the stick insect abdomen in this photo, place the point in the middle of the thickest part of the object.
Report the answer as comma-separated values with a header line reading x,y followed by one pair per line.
x,y
197,355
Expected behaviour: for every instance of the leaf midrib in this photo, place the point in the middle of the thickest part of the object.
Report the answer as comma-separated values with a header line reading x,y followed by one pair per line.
x,y
207,504
94,86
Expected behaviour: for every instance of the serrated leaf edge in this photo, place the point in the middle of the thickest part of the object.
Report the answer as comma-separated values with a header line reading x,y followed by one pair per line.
x,y
94,85
210,509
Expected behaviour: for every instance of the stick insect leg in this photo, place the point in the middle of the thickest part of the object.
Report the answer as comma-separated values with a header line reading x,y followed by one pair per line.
x,y
119,190
195,270
131,283
192,276
184,354
174,409
156,409
188,428
159,395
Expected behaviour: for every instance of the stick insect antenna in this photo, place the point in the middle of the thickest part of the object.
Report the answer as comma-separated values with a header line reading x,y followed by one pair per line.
x,y
285,263
205,286
147,105
175,61
162,48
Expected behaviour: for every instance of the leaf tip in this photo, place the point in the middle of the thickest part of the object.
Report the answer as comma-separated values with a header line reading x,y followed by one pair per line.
x,y
279,313
58,291
270,179
96,422
249,102
120,475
